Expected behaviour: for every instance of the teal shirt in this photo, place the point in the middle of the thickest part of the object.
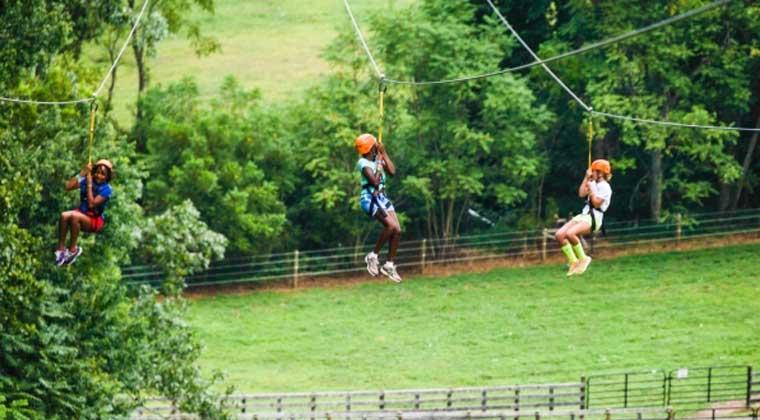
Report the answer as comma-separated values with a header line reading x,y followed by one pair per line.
x,y
360,165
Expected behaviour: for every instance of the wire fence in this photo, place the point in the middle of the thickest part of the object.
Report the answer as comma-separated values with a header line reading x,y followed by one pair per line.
x,y
421,255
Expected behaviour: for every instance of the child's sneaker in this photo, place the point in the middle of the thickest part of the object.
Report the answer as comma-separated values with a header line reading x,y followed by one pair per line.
x,y
72,256
572,268
60,257
389,269
582,265
372,263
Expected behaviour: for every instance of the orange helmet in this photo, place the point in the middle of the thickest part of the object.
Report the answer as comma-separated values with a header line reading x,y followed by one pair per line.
x,y
364,143
602,166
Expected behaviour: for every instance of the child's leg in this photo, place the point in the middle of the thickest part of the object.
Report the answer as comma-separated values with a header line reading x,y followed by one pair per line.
x,y
575,232
574,235
77,221
385,235
395,239
564,244
63,226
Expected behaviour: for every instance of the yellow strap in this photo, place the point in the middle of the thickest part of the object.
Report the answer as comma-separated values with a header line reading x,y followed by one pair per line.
x,y
382,117
93,111
590,138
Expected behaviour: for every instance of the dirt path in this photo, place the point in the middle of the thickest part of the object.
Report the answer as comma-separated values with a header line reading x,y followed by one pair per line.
x,y
734,409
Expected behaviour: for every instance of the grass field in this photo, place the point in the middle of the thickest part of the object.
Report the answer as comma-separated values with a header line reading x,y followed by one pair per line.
x,y
695,308
271,45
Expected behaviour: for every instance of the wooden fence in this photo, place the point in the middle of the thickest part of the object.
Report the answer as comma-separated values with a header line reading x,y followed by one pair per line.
x,y
513,398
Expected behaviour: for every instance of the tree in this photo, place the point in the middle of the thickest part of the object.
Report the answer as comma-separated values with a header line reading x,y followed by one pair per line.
x,y
76,343
164,17
227,158
457,146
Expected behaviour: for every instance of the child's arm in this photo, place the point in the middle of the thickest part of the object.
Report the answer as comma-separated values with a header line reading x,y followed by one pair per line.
x,y
371,178
584,190
595,201
73,182
388,163
93,201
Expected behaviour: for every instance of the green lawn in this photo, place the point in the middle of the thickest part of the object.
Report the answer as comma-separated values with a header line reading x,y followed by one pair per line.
x,y
272,45
696,308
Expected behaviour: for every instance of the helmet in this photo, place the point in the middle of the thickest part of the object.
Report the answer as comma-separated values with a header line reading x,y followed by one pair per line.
x,y
602,166
105,162
364,143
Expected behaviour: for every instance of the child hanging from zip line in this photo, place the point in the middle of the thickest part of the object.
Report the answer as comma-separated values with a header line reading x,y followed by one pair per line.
x,y
94,193
596,189
372,166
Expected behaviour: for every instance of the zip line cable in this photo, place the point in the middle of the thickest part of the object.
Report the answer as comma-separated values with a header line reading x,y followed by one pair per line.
x,y
542,62
546,68
606,114
121,52
363,41
673,124
102,83
585,48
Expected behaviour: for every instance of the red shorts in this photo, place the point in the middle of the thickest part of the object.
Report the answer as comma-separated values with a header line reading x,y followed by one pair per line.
x,y
96,222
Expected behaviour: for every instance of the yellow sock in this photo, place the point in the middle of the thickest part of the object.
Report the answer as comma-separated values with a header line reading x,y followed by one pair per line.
x,y
578,248
567,249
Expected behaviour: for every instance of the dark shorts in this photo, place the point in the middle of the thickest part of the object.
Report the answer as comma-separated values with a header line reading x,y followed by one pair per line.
x,y
96,222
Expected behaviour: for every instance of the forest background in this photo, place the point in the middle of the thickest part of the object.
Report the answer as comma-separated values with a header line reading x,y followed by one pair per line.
x,y
209,165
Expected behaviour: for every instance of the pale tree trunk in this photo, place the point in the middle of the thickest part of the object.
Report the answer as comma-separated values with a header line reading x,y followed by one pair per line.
x,y
745,166
655,190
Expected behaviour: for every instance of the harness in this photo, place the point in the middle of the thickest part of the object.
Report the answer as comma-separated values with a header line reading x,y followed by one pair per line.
x,y
592,209
374,202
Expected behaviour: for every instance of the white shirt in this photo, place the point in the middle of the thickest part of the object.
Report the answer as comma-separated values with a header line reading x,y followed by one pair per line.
x,y
600,189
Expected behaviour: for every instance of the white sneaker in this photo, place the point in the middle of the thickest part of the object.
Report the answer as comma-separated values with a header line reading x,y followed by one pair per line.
x,y
71,257
389,269
572,268
372,263
582,265
61,256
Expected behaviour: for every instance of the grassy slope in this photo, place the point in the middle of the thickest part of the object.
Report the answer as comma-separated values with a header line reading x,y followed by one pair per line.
x,y
272,45
693,308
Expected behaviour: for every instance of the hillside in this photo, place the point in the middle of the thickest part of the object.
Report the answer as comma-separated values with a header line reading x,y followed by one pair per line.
x,y
271,45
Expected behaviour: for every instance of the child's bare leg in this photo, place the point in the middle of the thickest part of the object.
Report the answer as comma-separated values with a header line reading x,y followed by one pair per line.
x,y
63,226
77,221
576,231
385,235
395,239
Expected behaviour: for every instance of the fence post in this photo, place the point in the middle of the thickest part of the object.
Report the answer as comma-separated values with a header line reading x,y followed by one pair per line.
x,y
709,383
551,398
678,228
625,392
295,269
423,257
749,386
584,396
544,234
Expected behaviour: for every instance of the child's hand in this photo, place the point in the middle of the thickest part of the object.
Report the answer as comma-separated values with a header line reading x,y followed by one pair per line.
x,y
86,169
589,173
380,148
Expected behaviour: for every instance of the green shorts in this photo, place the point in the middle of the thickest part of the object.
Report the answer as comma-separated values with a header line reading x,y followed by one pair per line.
x,y
586,218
